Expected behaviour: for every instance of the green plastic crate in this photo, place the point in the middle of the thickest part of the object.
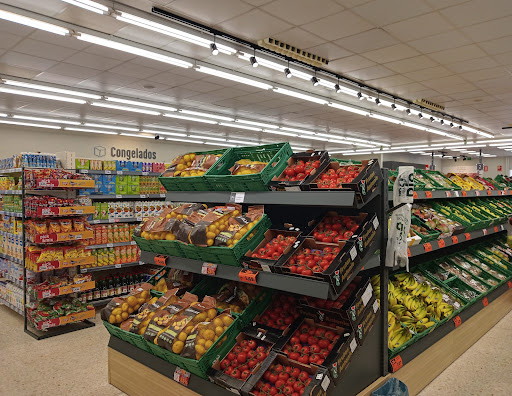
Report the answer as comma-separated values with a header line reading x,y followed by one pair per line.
x,y
431,236
192,183
199,367
168,248
132,338
455,282
432,174
418,186
220,179
225,255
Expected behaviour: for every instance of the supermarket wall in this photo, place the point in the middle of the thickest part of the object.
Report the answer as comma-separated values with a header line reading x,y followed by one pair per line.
x,y
470,166
18,139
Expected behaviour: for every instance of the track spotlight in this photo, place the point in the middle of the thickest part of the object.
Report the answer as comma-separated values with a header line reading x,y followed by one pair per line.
x,y
420,116
393,106
408,111
254,61
432,119
215,50
315,81
157,137
377,101
360,96
288,72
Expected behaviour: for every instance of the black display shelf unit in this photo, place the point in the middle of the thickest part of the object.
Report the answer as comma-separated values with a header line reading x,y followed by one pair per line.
x,y
113,197
116,172
110,267
426,342
370,360
110,245
12,214
114,221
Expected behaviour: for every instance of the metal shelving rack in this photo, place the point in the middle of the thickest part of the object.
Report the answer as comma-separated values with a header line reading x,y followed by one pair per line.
x,y
369,361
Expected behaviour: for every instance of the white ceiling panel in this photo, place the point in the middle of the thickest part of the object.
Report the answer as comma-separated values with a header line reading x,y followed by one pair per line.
x,y
383,13
477,11
212,12
411,64
338,25
391,54
419,27
300,12
367,41
439,42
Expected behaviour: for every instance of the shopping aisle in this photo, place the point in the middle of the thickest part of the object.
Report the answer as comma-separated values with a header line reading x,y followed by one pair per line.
x,y
73,363
484,369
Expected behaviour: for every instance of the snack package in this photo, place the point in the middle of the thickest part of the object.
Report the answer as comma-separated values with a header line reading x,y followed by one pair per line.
x,y
238,226
205,334
78,224
118,309
54,226
65,225
174,337
142,319
40,227
162,318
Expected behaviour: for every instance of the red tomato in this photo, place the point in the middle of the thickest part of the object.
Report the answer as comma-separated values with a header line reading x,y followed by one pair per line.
x,y
323,343
252,363
295,372
235,373
224,364
272,378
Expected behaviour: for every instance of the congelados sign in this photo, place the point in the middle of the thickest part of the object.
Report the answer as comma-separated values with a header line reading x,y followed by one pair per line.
x,y
132,154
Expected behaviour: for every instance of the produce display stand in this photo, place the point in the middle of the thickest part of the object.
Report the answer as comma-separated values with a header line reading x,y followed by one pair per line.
x,y
135,371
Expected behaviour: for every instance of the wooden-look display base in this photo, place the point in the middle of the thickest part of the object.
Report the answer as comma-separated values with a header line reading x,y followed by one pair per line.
x,y
444,352
136,378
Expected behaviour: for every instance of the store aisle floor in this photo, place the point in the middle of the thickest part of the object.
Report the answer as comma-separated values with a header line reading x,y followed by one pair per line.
x,y
70,364
484,369
76,363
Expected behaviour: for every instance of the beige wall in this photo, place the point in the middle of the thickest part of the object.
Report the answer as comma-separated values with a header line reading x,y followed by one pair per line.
x,y
470,166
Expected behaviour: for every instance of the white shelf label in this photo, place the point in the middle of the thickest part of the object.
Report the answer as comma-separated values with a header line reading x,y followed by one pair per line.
x,y
96,221
265,267
119,172
325,383
353,345
375,223
353,253
239,197
117,265
107,172
162,195
83,270
76,289
145,173
119,196
367,295
143,196
375,306
109,245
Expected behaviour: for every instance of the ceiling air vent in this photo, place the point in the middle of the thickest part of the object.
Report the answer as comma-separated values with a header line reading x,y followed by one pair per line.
x,y
293,52
429,104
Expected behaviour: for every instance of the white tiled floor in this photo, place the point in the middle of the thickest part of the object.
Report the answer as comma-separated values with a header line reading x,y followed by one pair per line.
x,y
76,363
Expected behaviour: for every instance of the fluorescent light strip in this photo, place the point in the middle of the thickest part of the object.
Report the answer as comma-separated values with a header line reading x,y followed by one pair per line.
x,y
51,89
172,115
3,115
233,77
341,152
184,140
122,128
41,95
294,148
277,132
125,108
34,23
389,151
300,96
240,126
260,124
350,109
299,131
164,133
243,142
200,114
29,124
138,136
385,118
495,141
89,5
351,143
170,31
505,147
262,61
366,141
419,147
207,138
91,131
361,153
469,146
442,133
133,50
220,144
473,130
46,120
142,104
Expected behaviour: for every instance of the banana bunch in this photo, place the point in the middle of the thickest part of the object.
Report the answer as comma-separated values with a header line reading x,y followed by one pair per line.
x,y
393,322
398,337
417,326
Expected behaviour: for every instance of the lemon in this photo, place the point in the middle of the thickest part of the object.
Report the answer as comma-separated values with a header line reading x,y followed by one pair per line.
x,y
219,330
201,341
200,349
218,322
209,334
212,312
227,320
208,344
182,336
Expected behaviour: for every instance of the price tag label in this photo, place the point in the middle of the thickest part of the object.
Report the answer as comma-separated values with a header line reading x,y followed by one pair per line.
x,y
161,260
96,221
109,245
495,228
448,194
107,172
111,220
76,289
457,321
396,363
427,246
509,283
239,197
485,232
477,193
181,376
415,195
84,171
467,235
455,239
133,243
209,269
428,194
456,194
83,270
408,252
353,345
441,243
145,173
120,172
502,227
119,196
485,301
162,195
248,276
489,192
117,265
464,193
143,196
353,253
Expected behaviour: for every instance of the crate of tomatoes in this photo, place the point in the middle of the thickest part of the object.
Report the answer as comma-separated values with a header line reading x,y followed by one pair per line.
x,y
363,178
301,170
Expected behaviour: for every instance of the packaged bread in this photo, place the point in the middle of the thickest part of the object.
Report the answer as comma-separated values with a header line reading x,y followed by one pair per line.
x,y
147,311
163,317
205,334
174,337
238,226
120,308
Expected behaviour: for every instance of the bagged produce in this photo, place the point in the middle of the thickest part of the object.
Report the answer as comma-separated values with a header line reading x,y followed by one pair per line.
x,y
247,167
205,334
174,337
236,296
163,317
147,311
120,308
238,226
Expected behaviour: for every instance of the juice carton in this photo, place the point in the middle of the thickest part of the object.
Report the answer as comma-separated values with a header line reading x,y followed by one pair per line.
x,y
82,163
122,253
98,235
104,235
97,211
117,251
112,207
116,233
104,211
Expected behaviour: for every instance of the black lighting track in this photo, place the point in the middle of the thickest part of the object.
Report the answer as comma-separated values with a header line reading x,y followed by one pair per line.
x,y
218,33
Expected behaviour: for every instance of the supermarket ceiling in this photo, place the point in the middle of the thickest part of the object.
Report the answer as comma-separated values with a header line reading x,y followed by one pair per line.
x,y
456,53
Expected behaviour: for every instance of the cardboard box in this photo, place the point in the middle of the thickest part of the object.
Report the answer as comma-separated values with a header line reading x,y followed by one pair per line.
x,y
109,180
216,374
318,386
133,189
366,322
285,185
82,163
121,189
366,235
122,179
347,348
